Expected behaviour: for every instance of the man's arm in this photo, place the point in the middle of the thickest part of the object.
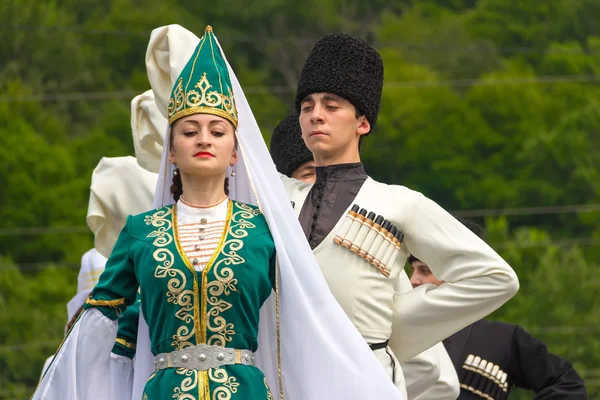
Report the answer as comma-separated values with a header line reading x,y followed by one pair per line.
x,y
477,279
550,376
422,371
447,386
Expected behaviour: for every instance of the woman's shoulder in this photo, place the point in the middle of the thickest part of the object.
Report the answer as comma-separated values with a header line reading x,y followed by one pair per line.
x,y
251,216
155,217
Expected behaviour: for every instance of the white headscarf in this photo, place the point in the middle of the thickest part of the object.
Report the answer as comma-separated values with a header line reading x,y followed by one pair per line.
x,y
322,354
148,127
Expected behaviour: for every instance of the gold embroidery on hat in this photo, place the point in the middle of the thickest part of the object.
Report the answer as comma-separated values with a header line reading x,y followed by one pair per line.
x,y
203,101
210,99
176,102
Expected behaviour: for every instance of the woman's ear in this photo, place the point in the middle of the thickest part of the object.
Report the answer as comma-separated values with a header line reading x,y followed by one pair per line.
x,y
234,157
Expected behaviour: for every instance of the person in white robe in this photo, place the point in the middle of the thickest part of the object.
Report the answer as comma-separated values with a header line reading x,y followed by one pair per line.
x,y
361,231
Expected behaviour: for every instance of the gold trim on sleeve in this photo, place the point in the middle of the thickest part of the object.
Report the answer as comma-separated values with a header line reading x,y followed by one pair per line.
x,y
125,343
105,303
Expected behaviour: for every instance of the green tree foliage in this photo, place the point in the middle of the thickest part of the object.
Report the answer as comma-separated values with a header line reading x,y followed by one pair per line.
x,y
489,104
32,321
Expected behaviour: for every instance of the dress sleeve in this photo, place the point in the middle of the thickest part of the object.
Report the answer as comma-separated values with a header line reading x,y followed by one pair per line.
x,y
548,375
125,344
85,366
477,280
118,284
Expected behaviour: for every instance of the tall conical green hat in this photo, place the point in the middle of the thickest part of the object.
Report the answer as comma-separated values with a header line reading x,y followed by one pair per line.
x,y
204,85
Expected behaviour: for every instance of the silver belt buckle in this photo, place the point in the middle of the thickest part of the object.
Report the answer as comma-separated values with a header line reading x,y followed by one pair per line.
x,y
202,357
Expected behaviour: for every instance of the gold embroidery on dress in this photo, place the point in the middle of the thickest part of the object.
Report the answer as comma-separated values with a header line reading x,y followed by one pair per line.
x,y
189,383
228,386
225,281
177,294
269,394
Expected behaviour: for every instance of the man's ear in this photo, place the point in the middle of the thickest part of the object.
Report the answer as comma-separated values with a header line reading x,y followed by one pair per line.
x,y
364,126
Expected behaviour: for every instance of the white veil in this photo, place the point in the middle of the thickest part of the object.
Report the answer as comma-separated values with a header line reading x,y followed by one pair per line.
x,y
322,354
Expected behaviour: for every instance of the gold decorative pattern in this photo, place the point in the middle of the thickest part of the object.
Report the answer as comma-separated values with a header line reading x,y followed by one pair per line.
x,y
105,303
177,294
205,98
200,323
189,383
269,394
229,385
182,103
176,102
204,391
225,281
208,267
125,343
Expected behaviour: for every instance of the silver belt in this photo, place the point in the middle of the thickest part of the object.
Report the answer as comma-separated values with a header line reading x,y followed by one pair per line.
x,y
202,357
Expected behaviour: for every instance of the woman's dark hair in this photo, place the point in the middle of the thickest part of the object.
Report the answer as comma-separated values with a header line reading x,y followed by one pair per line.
x,y
177,185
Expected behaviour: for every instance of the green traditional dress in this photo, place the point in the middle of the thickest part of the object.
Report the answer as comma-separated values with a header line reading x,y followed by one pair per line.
x,y
183,307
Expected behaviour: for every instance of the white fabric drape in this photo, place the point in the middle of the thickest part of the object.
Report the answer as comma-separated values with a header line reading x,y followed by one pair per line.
x,y
148,127
120,187
84,367
92,265
322,355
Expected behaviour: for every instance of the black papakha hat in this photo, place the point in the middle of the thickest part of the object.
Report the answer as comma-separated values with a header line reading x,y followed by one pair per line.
x,y
348,67
287,147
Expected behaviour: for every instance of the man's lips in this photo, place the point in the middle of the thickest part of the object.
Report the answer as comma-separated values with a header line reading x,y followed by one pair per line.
x,y
317,133
203,154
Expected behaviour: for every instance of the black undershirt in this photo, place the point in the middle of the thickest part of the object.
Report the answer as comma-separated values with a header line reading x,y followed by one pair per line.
x,y
334,191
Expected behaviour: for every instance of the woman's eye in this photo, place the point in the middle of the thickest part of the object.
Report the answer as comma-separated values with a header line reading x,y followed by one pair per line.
x,y
219,134
189,133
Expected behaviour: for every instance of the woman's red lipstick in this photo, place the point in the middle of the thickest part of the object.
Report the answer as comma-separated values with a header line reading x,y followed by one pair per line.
x,y
203,154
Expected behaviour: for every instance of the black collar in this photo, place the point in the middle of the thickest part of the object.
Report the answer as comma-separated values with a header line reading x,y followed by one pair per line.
x,y
341,172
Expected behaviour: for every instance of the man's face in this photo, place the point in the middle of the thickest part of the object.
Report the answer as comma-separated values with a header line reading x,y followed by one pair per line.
x,y
330,127
422,275
305,172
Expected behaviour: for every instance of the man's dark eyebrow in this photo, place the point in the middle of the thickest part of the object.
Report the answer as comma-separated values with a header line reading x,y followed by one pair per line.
x,y
307,98
331,97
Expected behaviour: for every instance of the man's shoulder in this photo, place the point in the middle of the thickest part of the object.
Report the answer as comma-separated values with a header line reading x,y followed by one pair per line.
x,y
392,192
